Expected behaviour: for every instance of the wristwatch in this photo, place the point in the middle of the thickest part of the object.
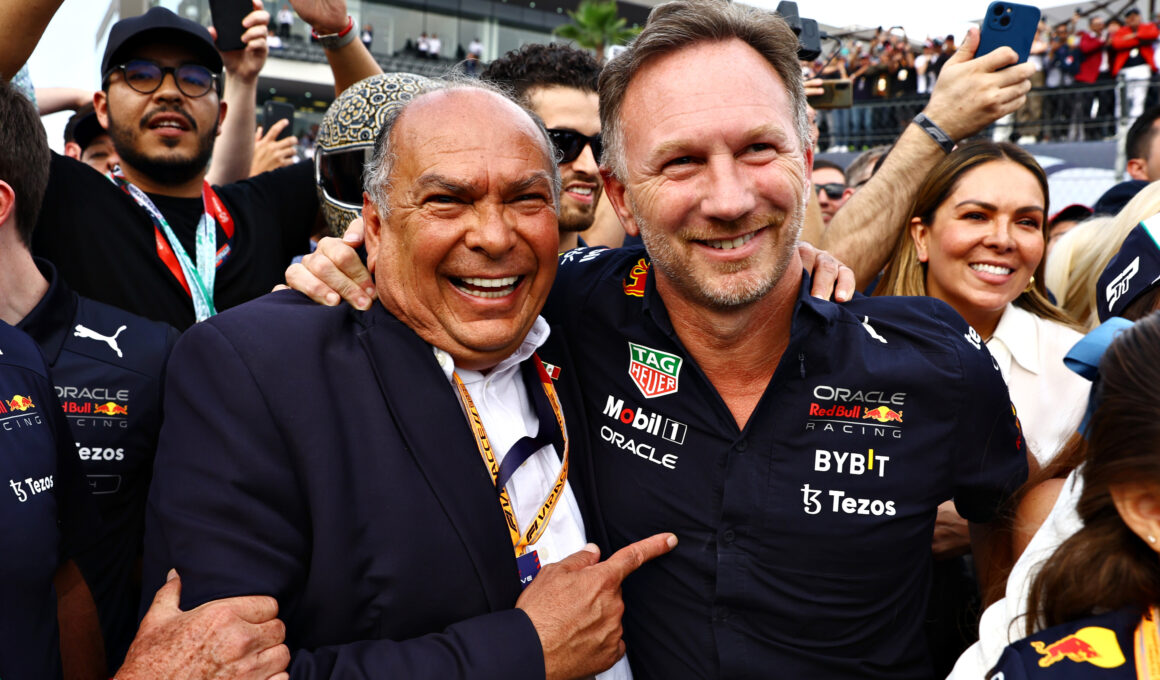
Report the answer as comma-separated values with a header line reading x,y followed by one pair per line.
x,y
333,41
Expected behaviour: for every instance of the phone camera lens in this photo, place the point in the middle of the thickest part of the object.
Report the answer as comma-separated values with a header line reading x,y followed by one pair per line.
x,y
1004,21
998,9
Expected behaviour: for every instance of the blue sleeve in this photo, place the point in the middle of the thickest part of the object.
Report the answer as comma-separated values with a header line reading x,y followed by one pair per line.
x,y
990,454
1009,667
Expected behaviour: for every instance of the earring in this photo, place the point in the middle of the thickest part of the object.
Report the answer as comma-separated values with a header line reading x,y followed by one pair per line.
x,y
1151,538
1031,287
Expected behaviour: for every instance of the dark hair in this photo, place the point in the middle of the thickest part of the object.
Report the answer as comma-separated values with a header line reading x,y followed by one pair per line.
x,y
1138,143
539,65
905,275
24,157
820,163
1105,565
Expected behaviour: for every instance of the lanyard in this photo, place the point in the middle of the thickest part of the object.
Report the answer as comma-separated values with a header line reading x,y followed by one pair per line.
x,y
172,253
1147,643
547,407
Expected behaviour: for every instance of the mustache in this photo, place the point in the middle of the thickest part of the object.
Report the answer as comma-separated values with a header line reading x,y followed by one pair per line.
x,y
150,115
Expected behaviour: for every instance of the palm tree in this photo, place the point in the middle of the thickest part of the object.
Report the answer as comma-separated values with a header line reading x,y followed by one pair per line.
x,y
596,24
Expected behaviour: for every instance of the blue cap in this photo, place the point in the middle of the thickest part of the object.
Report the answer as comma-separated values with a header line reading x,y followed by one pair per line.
x,y
1134,270
159,25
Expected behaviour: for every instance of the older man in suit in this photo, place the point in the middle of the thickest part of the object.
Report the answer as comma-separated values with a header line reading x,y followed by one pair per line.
x,y
364,468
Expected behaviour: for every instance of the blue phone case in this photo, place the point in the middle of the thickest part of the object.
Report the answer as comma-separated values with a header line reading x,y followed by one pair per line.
x,y
1010,24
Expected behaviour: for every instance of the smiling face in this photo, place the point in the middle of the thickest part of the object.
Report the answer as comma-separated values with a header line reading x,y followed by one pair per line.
x,y
165,135
467,252
569,108
984,242
715,184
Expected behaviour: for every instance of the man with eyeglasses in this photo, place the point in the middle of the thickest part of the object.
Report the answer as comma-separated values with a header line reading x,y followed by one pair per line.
x,y
830,185
558,83
155,238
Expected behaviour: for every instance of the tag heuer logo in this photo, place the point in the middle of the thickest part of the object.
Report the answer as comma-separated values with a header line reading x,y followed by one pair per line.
x,y
654,372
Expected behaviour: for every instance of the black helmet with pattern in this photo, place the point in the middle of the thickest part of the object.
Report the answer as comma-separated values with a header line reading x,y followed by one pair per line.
x,y
346,140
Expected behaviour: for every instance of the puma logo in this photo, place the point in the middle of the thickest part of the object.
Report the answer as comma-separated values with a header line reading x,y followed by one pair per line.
x,y
110,340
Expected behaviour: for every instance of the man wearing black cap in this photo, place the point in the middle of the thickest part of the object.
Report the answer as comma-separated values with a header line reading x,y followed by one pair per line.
x,y
160,241
88,142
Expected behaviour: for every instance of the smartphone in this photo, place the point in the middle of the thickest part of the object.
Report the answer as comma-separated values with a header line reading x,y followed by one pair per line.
x,y
1007,23
227,21
276,111
837,94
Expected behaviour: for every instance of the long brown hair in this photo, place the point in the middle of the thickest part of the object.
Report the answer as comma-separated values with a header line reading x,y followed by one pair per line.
x,y
906,275
1105,565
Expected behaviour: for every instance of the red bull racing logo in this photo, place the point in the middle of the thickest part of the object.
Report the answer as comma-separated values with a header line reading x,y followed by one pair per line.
x,y
883,415
637,276
654,372
110,409
1094,645
19,403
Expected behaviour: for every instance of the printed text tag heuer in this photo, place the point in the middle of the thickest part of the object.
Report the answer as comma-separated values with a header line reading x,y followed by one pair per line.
x,y
653,371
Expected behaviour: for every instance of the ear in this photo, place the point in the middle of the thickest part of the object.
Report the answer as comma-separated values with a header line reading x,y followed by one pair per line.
x,y
614,189
221,116
72,150
372,231
1139,507
847,193
1137,168
101,107
920,233
7,207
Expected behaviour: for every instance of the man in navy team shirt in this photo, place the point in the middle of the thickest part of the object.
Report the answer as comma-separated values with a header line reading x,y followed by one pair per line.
x,y
799,449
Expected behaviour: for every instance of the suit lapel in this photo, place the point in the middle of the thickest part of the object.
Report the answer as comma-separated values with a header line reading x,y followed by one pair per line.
x,y
430,420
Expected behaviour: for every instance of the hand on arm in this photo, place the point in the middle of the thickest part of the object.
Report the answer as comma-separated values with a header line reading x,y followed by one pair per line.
x,y
334,272
234,148
576,608
969,95
238,638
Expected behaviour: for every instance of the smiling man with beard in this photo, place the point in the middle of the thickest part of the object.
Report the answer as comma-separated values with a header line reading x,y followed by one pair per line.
x,y
155,238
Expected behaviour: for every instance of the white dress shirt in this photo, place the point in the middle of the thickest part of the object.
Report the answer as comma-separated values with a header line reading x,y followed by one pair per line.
x,y
508,414
1049,397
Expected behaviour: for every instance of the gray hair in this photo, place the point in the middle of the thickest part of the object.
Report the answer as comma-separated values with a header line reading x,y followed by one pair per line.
x,y
377,172
683,23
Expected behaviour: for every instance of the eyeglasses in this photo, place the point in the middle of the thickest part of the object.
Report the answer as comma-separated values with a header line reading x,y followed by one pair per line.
x,y
570,144
339,175
145,76
834,191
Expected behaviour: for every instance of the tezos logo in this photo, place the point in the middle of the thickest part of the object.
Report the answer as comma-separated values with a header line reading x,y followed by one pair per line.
x,y
654,372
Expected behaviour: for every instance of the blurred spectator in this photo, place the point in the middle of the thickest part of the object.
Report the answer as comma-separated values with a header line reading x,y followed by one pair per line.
x,y
285,22
367,36
830,185
1132,57
88,142
1142,147
475,48
1064,221
434,46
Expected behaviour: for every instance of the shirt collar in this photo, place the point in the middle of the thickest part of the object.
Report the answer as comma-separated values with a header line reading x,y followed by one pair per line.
x,y
48,322
822,310
536,337
1018,332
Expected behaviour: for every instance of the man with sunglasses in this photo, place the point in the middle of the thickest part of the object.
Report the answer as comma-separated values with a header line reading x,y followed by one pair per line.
x,y
830,185
558,83
156,238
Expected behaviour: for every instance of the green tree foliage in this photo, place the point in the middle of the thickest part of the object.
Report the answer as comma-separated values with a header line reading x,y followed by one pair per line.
x,y
595,25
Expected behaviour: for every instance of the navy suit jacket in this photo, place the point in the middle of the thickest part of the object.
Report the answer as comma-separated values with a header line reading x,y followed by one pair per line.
x,y
319,455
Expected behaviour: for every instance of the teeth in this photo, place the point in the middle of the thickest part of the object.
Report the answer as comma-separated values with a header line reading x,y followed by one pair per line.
x,y
497,287
583,191
991,269
730,244
169,124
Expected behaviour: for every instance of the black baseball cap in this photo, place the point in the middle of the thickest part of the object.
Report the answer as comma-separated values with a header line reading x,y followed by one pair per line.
x,y
159,25
1134,270
83,127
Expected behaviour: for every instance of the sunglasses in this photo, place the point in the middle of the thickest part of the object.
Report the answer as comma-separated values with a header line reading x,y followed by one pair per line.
x,y
145,76
569,144
339,175
834,191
